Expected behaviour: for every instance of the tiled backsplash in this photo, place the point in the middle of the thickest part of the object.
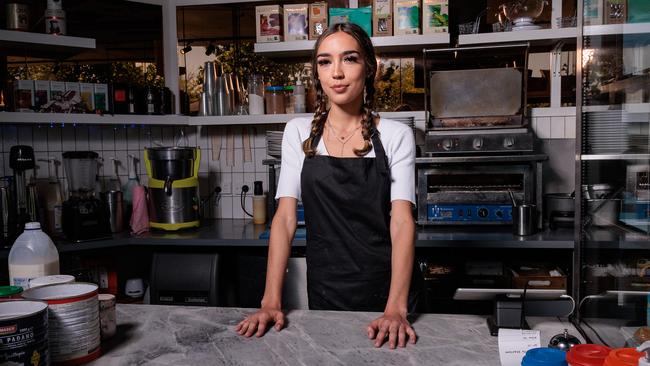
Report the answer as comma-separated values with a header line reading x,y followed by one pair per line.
x,y
50,140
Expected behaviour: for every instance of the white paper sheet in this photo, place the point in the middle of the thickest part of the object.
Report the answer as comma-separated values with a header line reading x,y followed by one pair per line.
x,y
513,344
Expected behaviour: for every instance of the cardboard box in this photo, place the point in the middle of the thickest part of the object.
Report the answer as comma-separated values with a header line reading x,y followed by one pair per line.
x,y
638,11
41,93
382,18
296,22
435,16
318,21
72,87
593,12
406,17
615,12
268,24
101,97
24,95
57,90
359,16
87,96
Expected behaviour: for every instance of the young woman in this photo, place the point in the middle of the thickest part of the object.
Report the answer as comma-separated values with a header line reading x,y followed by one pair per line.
x,y
355,175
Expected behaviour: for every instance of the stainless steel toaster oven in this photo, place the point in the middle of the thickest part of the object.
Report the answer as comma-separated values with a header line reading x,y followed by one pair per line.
x,y
474,190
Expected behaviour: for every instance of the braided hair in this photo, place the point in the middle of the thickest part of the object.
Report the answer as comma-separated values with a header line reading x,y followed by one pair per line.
x,y
367,108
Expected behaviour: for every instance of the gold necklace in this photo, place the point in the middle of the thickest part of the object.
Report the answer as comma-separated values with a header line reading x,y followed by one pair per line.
x,y
342,139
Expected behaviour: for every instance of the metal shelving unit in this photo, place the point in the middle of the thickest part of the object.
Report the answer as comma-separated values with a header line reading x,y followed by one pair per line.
x,y
613,154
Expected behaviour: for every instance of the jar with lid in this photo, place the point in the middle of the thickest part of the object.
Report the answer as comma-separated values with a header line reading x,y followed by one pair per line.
x,y
256,94
274,99
288,99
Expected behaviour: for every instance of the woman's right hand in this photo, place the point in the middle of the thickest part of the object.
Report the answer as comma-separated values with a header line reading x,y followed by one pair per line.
x,y
258,322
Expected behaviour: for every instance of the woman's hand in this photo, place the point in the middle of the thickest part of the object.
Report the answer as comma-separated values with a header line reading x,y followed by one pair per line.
x,y
395,327
258,322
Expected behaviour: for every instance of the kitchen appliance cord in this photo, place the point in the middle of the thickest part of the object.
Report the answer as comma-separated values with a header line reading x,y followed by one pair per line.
x,y
242,196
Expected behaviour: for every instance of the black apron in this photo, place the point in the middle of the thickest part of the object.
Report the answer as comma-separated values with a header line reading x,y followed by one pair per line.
x,y
347,215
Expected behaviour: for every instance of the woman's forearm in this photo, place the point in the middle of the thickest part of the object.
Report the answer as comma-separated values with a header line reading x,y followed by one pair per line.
x,y
402,232
283,229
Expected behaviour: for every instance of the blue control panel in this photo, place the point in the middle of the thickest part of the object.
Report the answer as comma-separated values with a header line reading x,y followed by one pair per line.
x,y
469,213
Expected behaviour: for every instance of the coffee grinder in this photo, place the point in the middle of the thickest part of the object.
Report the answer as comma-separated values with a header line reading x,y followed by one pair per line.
x,y
85,217
21,159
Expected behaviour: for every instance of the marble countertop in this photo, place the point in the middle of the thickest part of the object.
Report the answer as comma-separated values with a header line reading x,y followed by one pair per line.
x,y
176,335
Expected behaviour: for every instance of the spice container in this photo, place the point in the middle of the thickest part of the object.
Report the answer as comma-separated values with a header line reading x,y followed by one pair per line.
x,y
256,94
288,99
274,100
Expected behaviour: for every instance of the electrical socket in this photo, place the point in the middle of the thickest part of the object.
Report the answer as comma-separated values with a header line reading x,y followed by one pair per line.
x,y
236,186
226,188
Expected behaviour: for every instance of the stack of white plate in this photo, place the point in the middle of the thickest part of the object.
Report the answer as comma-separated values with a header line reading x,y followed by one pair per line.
x,y
606,132
274,143
409,121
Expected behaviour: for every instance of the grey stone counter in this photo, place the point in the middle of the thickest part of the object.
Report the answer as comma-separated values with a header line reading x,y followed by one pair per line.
x,y
174,335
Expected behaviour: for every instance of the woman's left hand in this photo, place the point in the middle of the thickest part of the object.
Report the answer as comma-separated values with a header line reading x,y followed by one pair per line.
x,y
391,326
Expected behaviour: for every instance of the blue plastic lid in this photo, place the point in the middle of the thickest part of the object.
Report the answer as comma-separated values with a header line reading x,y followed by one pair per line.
x,y
544,356
275,88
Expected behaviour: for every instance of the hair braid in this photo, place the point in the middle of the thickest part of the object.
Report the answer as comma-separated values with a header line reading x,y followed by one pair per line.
x,y
368,118
318,123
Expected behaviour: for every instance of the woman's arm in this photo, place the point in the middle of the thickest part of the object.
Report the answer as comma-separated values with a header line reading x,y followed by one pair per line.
x,y
393,324
402,234
283,229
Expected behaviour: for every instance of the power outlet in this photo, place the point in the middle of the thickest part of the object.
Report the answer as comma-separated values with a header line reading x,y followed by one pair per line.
x,y
236,186
226,188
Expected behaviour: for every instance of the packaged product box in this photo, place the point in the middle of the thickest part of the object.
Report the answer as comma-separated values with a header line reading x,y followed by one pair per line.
x,y
615,11
359,16
406,17
296,22
318,21
638,11
24,95
268,23
101,97
57,89
435,16
87,96
593,12
382,18
41,93
72,87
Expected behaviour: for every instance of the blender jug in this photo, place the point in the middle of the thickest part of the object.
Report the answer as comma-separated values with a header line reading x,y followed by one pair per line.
x,y
81,171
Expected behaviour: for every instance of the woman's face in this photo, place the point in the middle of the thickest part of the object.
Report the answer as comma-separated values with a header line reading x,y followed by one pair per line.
x,y
341,69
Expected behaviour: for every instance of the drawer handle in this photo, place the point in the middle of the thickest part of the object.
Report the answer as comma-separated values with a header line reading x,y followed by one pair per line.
x,y
539,283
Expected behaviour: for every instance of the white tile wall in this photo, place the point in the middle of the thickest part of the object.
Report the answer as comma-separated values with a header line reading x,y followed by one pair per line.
x,y
554,127
51,140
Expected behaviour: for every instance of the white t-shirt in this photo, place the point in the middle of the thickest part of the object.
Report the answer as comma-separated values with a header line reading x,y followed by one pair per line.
x,y
398,142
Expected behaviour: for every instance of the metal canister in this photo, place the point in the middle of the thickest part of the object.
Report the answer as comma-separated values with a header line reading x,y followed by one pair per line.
x,y
114,202
17,16
55,21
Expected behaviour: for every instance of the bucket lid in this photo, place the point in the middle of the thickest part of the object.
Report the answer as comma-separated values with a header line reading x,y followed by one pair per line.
x,y
6,291
544,356
50,280
623,357
12,310
587,354
62,293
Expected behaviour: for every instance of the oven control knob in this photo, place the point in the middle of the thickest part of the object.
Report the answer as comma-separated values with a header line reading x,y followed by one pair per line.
x,y
482,212
477,143
509,142
447,144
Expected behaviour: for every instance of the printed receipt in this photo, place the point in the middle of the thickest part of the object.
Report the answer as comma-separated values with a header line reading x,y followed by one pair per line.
x,y
513,344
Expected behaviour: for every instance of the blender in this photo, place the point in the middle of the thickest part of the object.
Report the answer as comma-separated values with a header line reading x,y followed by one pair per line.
x,y
21,159
85,217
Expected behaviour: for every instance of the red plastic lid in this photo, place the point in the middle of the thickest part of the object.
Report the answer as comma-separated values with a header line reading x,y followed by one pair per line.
x,y
587,355
623,357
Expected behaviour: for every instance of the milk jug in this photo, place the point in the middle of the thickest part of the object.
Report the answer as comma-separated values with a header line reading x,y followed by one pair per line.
x,y
32,255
